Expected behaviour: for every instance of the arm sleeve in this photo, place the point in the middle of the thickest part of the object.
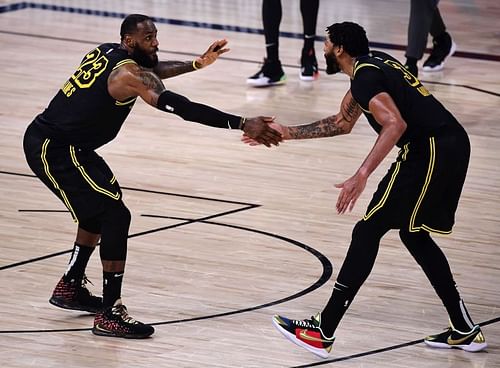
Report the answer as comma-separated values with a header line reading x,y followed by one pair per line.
x,y
368,82
177,104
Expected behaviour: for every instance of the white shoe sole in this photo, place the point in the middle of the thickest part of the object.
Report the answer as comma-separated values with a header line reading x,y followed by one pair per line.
x,y
264,82
440,67
473,347
307,78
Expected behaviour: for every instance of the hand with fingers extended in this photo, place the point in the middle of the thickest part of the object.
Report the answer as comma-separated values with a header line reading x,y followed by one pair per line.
x,y
213,52
351,189
281,129
259,131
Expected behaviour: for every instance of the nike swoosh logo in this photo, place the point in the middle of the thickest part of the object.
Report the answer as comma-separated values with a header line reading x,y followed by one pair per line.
x,y
451,341
303,334
97,327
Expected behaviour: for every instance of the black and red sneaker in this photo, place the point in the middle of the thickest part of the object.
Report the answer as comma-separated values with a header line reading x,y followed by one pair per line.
x,y
73,294
115,322
306,333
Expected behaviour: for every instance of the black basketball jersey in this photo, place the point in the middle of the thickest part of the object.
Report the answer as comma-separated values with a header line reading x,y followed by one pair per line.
x,y
380,72
83,113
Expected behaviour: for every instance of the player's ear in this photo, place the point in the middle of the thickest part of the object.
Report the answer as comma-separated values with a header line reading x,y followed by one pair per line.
x,y
340,50
129,41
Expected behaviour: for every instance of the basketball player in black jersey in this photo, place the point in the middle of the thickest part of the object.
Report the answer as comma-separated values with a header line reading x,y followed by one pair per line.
x,y
418,196
87,112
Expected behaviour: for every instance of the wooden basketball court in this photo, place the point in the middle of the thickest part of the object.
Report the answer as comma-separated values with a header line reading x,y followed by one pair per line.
x,y
224,235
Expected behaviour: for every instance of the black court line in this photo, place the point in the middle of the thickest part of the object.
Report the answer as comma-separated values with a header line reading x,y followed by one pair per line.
x,y
130,236
246,205
227,58
381,350
214,26
325,276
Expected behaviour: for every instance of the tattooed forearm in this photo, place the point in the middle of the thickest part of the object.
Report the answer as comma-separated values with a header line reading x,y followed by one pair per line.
x,y
326,127
151,81
168,69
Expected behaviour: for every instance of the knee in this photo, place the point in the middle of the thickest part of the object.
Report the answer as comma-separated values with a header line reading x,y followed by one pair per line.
x,y
412,239
368,230
119,215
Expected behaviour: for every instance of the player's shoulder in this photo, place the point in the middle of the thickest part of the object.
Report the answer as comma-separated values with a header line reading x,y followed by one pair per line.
x,y
373,63
365,65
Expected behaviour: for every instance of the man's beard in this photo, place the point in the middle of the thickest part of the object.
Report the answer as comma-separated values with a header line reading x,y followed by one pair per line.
x,y
332,65
144,59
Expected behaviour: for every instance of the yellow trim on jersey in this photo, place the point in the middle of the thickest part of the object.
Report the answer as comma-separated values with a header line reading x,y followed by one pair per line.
x,y
123,62
124,103
113,179
359,66
406,150
381,203
46,168
88,179
430,170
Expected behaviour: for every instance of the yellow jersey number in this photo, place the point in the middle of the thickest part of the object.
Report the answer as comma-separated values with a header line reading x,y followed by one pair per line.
x,y
410,78
91,67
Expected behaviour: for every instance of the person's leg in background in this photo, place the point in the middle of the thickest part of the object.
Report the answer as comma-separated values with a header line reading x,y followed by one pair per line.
x,y
419,26
443,45
308,63
271,72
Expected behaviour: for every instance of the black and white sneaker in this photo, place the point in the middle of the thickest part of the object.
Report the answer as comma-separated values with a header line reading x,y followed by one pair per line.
x,y
308,66
443,47
469,341
271,74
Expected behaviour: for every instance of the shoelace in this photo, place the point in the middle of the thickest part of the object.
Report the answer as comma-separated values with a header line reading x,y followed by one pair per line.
x,y
121,310
307,323
86,281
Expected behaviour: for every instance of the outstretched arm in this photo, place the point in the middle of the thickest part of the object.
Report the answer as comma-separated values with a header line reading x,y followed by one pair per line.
x,y
168,69
330,126
131,80
338,124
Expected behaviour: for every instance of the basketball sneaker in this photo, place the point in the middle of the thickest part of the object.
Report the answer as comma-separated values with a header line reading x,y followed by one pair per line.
x,y
306,333
308,66
443,47
115,322
73,294
271,74
469,341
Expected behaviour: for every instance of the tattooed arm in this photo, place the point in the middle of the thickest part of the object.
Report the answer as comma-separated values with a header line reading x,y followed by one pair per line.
x,y
338,124
130,80
168,69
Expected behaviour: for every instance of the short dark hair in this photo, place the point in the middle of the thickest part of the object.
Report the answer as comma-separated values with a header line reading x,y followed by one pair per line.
x,y
351,36
129,24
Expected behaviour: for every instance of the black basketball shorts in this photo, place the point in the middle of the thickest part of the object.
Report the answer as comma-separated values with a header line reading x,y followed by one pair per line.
x,y
422,188
80,178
